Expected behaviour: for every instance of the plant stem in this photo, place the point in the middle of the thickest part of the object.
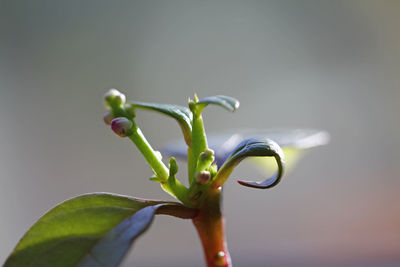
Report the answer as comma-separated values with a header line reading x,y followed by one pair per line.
x,y
198,145
210,226
148,152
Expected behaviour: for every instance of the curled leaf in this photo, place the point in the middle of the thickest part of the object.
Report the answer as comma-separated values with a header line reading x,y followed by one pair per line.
x,y
181,114
224,143
227,102
90,230
252,148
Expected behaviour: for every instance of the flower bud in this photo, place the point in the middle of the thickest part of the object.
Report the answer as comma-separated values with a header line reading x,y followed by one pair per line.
x,y
108,117
203,177
207,155
114,98
206,158
121,126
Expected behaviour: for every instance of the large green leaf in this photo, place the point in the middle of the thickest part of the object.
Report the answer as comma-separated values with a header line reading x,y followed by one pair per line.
x,y
227,102
181,114
89,230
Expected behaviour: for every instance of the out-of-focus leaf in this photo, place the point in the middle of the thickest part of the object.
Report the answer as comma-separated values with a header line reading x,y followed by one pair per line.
x,y
293,142
227,102
181,114
267,164
252,148
89,230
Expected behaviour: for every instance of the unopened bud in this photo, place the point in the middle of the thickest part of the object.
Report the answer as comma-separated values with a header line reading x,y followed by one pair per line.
x,y
108,117
114,98
206,158
203,177
120,99
121,126
207,155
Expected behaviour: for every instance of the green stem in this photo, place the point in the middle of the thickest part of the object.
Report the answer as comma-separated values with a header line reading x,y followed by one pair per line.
x,y
198,145
149,154
210,226
170,184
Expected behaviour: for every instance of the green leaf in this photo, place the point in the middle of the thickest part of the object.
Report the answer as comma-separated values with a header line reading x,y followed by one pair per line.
x,y
227,102
90,230
252,148
181,114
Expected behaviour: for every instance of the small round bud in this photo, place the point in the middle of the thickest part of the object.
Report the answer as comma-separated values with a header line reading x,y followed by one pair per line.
x,y
206,158
120,99
121,126
207,155
108,117
203,177
114,98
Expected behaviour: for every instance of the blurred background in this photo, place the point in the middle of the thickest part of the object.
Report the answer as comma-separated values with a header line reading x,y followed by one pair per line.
x,y
332,65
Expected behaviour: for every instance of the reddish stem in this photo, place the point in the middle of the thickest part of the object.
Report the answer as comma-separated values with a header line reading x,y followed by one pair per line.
x,y
210,226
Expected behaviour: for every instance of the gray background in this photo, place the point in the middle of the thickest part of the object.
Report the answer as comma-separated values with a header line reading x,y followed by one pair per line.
x,y
332,65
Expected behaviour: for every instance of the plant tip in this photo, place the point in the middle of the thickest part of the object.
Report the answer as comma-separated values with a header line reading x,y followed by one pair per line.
x,y
114,98
195,98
